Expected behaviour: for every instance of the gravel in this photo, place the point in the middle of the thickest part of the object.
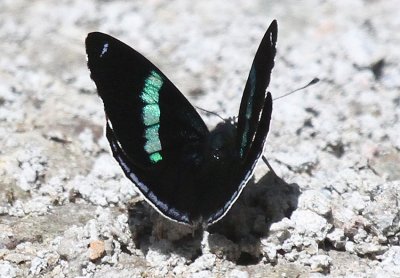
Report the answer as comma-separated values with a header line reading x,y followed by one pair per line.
x,y
66,209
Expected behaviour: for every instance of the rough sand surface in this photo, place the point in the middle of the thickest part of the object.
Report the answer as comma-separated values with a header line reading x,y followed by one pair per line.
x,y
66,209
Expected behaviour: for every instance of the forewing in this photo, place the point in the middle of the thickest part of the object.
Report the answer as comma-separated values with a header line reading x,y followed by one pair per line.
x,y
254,119
254,93
152,128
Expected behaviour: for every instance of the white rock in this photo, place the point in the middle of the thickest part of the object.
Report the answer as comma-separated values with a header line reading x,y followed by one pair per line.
x,y
337,238
349,246
7,270
371,249
238,274
204,262
310,224
390,264
316,201
320,262
269,251
37,265
202,274
280,231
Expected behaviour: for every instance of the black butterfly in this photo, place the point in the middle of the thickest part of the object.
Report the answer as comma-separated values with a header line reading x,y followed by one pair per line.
x,y
187,173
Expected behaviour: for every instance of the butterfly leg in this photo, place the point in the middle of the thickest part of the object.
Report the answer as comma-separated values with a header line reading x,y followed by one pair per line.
x,y
269,165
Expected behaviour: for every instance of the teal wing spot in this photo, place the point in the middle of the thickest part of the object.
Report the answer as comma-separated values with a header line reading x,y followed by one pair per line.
x,y
155,157
153,143
151,115
152,86
249,109
244,141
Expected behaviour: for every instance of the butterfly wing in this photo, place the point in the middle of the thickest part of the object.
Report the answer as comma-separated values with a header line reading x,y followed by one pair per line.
x,y
161,142
253,122
254,100
154,132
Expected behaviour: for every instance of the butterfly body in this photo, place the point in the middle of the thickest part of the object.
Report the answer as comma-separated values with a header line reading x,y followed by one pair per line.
x,y
183,170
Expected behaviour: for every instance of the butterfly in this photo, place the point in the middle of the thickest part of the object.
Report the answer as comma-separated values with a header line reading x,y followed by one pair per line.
x,y
187,173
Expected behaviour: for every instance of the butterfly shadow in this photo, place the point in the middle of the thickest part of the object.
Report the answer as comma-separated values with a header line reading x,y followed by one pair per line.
x,y
261,204
237,237
150,230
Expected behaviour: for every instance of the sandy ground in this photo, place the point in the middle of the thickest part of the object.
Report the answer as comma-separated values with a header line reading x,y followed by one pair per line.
x,y
66,209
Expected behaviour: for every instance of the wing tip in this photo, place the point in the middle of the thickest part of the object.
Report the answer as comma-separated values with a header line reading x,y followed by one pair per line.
x,y
273,31
268,100
97,39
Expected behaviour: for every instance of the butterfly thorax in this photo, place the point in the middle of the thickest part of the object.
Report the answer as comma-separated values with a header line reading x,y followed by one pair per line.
x,y
221,142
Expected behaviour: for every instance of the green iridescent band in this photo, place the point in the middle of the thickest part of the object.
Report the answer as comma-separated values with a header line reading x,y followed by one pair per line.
x,y
155,157
151,115
153,143
152,86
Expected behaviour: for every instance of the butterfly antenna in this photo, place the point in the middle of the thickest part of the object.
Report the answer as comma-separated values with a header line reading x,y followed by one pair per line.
x,y
312,82
210,112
